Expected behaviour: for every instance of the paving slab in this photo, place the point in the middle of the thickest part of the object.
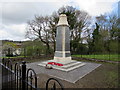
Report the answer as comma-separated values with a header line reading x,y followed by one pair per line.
x,y
71,76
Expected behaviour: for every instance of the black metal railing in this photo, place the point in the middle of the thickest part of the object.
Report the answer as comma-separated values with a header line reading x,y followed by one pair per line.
x,y
55,83
18,77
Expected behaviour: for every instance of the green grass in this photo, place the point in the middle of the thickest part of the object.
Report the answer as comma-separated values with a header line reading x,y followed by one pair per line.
x,y
100,57
13,57
112,78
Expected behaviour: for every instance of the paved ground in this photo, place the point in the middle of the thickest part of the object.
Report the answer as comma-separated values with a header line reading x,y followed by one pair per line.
x,y
105,76
71,76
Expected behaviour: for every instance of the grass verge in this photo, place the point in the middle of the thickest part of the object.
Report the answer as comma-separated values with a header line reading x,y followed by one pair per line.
x,y
112,57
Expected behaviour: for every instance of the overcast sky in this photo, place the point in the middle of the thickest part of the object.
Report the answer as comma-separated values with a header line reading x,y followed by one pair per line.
x,y
15,13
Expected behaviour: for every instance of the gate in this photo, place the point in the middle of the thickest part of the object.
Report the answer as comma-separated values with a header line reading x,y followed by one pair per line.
x,y
17,77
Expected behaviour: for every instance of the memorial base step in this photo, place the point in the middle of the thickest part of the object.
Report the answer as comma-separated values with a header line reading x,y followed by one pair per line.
x,y
66,67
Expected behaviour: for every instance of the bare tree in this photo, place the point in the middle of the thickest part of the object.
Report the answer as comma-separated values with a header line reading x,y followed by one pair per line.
x,y
44,28
39,28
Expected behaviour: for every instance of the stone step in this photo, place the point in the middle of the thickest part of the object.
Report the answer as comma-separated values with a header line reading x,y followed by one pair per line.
x,y
71,64
69,69
72,68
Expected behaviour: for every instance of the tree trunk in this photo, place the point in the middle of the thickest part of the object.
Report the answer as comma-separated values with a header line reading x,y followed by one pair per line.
x,y
48,49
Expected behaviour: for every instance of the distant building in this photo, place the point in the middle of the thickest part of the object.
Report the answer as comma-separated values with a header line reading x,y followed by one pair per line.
x,y
19,49
15,47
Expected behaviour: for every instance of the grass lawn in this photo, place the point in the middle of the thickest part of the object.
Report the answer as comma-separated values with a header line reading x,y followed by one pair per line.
x,y
101,57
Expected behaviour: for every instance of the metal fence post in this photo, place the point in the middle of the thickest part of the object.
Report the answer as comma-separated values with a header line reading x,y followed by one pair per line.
x,y
23,75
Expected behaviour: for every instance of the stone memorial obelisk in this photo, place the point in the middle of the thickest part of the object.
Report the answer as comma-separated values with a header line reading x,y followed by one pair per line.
x,y
62,58
62,52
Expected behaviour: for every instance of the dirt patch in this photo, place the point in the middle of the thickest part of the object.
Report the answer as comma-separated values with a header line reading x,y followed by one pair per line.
x,y
105,76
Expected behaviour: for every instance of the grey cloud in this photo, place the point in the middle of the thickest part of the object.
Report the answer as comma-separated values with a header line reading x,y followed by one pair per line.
x,y
15,16
17,13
